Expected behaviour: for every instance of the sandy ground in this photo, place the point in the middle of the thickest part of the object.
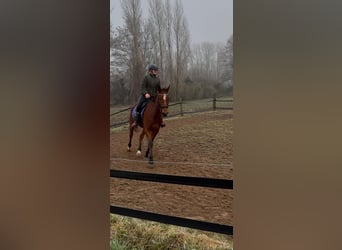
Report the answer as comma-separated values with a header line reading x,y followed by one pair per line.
x,y
193,145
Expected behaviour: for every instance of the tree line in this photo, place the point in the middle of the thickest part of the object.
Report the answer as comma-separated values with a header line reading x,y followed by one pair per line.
x,y
163,38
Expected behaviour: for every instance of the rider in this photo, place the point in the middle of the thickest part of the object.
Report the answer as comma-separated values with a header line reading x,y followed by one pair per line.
x,y
149,89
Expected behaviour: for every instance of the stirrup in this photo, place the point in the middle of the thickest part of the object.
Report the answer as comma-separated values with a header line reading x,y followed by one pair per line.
x,y
163,125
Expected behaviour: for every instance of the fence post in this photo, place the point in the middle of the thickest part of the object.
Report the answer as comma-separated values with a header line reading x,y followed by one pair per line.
x,y
181,106
214,102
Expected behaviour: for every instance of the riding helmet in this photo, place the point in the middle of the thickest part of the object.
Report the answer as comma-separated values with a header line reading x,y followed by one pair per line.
x,y
152,67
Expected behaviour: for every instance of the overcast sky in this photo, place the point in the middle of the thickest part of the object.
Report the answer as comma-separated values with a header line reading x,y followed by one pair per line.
x,y
208,20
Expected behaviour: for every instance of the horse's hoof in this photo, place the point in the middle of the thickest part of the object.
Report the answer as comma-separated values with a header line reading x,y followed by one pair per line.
x,y
150,163
128,149
138,153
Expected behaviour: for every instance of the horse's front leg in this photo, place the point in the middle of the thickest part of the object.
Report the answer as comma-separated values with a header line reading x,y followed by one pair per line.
x,y
141,137
149,136
148,146
147,152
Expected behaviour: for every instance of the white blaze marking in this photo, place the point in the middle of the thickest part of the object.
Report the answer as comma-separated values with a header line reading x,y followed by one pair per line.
x,y
164,97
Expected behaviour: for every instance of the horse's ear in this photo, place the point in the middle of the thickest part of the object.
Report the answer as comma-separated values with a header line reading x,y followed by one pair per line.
x,y
167,89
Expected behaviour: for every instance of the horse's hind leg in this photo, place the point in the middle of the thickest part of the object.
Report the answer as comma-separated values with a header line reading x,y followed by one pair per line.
x,y
130,132
130,139
141,137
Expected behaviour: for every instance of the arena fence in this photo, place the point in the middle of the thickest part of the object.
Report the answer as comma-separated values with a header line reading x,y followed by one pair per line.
x,y
180,109
177,180
216,101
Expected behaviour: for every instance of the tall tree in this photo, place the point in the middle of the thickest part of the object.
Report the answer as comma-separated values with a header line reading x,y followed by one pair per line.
x,y
147,44
119,61
169,41
121,50
182,45
209,55
204,61
157,22
227,63
132,15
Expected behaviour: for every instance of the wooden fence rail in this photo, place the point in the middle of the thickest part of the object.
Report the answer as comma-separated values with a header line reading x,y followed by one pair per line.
x,y
120,111
181,110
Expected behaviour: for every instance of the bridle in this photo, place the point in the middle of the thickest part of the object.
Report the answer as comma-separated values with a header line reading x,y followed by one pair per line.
x,y
164,98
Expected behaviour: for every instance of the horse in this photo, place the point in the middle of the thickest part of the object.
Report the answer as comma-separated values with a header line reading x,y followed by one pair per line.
x,y
150,122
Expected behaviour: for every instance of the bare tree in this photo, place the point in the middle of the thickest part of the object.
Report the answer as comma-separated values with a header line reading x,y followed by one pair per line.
x,y
227,63
210,60
168,40
204,61
147,44
197,63
119,61
182,45
203,70
111,45
156,17
132,15
121,49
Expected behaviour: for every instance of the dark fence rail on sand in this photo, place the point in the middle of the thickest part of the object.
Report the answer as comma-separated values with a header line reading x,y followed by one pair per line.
x,y
177,180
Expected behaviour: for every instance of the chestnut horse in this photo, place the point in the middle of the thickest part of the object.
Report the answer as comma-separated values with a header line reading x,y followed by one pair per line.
x,y
151,121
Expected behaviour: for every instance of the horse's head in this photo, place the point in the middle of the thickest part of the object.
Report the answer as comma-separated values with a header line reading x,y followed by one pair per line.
x,y
163,98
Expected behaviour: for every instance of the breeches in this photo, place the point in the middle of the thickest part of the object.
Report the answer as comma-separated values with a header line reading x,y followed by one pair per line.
x,y
141,100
